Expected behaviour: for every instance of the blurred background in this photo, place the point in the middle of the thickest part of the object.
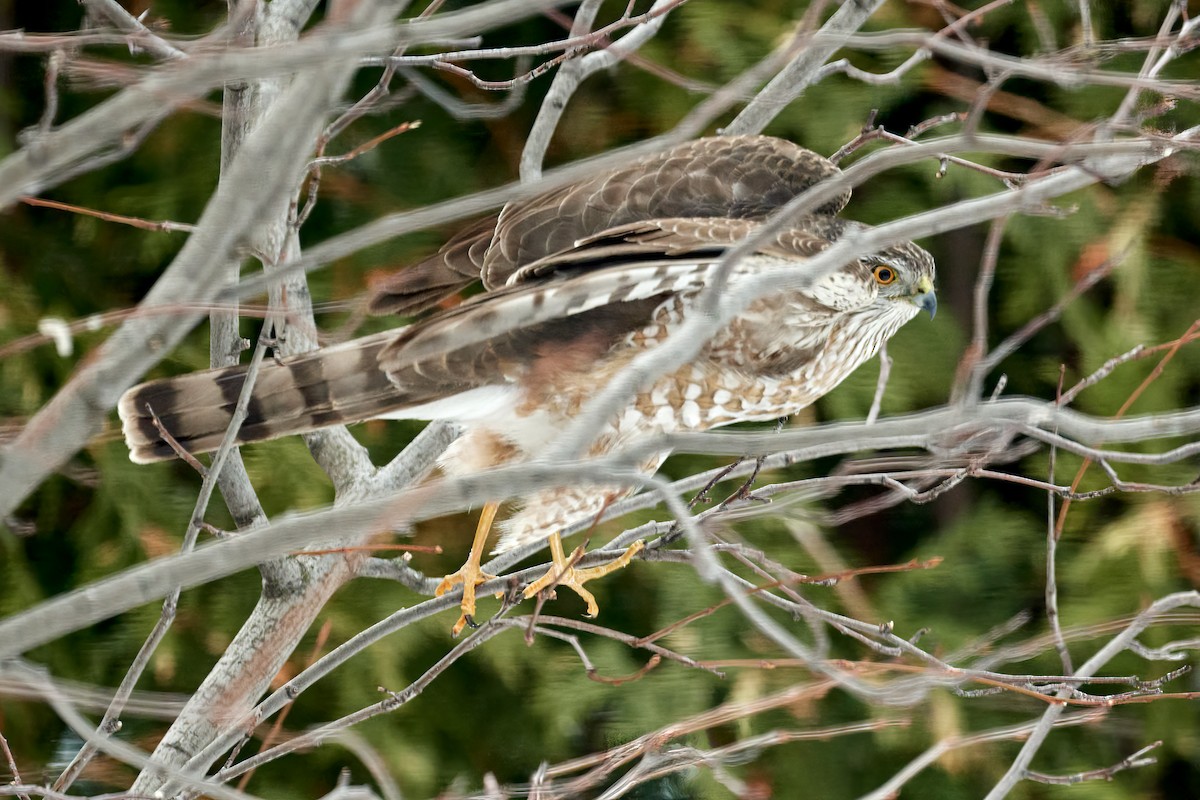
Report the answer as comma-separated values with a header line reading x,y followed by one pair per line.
x,y
508,707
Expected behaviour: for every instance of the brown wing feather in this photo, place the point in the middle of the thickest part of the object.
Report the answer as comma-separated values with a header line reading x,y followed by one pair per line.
x,y
735,177
518,354
741,177
703,238
641,264
420,286
631,263
640,242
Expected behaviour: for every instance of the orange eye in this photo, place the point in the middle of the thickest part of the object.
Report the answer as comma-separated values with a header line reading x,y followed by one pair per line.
x,y
884,275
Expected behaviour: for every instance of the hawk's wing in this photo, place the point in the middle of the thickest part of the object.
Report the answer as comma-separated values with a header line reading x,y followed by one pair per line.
x,y
562,312
732,177
598,291
606,287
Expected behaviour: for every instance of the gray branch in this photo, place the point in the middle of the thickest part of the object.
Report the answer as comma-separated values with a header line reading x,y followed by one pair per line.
x,y
936,429
575,72
804,69
1118,644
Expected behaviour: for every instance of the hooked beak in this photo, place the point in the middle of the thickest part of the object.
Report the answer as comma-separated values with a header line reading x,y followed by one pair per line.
x,y
925,299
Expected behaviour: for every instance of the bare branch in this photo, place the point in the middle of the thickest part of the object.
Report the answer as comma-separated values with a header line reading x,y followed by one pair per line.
x,y
105,129
1018,770
798,600
139,36
576,71
885,370
804,68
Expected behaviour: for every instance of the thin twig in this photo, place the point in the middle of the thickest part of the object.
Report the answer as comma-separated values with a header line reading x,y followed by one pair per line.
x,y
50,111
137,35
885,371
394,700
1192,330
12,768
1052,538
144,224
1137,759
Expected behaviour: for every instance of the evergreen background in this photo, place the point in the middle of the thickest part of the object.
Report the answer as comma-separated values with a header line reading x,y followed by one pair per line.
x,y
506,707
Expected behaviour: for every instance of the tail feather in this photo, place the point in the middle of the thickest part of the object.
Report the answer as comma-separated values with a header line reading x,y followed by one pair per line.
x,y
335,386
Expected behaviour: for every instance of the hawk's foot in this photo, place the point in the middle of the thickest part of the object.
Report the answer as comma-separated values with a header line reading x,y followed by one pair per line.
x,y
469,574
564,573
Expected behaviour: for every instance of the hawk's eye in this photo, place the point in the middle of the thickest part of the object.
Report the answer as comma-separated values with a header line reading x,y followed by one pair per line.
x,y
884,274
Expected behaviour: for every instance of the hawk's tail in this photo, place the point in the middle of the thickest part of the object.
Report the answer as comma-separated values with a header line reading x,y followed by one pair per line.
x,y
333,386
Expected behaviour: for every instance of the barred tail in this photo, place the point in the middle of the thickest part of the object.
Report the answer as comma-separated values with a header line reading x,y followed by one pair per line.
x,y
334,386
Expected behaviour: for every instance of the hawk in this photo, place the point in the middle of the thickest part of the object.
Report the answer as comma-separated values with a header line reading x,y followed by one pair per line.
x,y
578,282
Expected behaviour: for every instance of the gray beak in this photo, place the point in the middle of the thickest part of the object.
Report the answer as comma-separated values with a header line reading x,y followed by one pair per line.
x,y
926,301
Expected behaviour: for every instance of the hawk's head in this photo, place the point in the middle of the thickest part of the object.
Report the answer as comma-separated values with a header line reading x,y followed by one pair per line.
x,y
883,289
902,274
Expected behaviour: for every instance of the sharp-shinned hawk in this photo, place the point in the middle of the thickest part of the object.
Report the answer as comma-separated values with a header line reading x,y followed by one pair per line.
x,y
608,268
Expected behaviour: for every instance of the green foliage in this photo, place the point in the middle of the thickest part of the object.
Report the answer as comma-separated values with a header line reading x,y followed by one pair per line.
x,y
508,706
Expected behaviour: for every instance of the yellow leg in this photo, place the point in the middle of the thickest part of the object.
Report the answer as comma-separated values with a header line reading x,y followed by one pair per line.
x,y
564,574
469,574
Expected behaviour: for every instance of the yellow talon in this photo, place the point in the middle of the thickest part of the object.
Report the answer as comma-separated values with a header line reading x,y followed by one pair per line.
x,y
469,574
564,573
